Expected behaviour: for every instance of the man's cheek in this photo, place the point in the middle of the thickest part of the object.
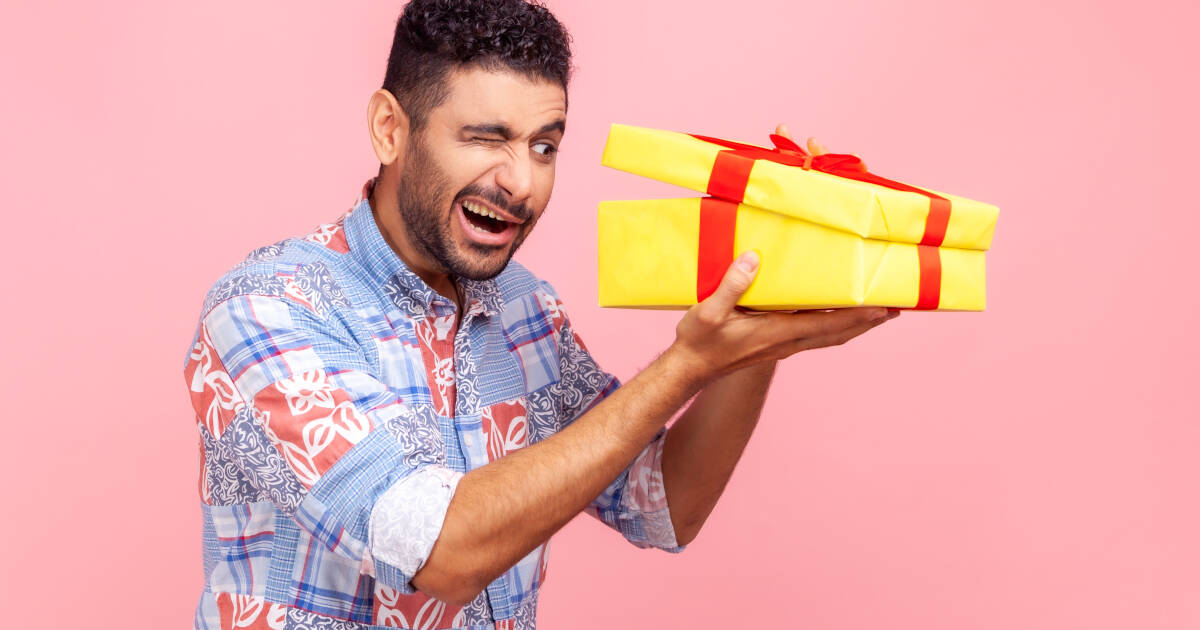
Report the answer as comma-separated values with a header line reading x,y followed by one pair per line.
x,y
533,222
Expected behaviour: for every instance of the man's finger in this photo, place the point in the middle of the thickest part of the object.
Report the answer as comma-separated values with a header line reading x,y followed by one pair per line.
x,y
812,325
842,336
780,329
835,339
816,148
737,279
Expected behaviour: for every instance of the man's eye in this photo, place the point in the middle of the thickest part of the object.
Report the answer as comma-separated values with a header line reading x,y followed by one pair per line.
x,y
545,148
486,140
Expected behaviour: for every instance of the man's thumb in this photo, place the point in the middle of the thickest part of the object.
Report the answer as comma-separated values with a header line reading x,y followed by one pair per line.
x,y
737,279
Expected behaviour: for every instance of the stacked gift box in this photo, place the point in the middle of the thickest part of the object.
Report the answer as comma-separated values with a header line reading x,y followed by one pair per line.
x,y
828,232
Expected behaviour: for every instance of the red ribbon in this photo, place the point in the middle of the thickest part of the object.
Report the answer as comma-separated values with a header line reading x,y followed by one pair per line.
x,y
718,221
731,174
929,292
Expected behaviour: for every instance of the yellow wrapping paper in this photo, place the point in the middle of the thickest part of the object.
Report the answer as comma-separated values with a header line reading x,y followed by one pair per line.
x,y
648,259
864,209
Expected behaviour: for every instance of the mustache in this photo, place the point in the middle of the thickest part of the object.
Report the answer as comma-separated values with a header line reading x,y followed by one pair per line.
x,y
497,197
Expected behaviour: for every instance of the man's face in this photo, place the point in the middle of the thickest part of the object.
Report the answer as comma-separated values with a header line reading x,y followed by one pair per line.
x,y
478,176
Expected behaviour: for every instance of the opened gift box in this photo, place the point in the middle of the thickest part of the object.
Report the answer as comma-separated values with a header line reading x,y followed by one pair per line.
x,y
829,233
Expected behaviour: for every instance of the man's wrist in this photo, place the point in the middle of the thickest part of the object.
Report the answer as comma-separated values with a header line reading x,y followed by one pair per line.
x,y
691,368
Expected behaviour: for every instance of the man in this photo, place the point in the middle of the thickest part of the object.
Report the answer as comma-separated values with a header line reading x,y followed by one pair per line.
x,y
395,418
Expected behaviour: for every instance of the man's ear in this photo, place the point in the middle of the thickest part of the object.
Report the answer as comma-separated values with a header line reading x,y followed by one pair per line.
x,y
388,125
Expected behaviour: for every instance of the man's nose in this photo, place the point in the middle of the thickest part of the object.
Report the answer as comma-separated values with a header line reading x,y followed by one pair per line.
x,y
516,176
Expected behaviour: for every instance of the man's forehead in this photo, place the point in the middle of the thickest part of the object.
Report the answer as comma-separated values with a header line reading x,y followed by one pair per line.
x,y
525,104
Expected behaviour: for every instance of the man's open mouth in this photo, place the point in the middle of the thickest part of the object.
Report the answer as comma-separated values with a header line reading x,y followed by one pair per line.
x,y
483,219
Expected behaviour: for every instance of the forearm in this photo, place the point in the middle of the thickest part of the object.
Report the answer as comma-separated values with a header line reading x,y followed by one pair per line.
x,y
502,511
704,445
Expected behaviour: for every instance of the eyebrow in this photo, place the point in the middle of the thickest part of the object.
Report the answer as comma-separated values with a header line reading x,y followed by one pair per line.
x,y
506,132
559,125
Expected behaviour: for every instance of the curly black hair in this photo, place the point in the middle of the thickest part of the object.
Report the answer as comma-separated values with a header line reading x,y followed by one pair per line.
x,y
435,36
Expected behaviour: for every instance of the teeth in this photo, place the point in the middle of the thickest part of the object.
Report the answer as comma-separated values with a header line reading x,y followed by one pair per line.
x,y
480,210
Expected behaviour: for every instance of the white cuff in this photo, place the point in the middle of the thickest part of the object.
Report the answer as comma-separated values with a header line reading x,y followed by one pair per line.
x,y
407,518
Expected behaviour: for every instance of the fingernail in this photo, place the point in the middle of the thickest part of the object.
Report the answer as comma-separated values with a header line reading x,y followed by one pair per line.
x,y
879,314
748,261
893,313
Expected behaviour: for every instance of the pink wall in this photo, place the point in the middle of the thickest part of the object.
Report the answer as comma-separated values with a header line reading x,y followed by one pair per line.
x,y
1033,466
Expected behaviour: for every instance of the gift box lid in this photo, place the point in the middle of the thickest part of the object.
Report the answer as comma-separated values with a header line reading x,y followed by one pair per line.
x,y
833,190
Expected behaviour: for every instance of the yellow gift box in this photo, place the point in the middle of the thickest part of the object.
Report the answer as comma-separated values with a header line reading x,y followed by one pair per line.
x,y
788,181
652,254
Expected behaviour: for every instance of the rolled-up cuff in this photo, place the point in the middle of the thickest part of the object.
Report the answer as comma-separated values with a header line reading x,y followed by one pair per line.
x,y
646,496
406,521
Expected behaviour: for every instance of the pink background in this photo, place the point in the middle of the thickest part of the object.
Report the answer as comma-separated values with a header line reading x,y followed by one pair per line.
x,y
1033,466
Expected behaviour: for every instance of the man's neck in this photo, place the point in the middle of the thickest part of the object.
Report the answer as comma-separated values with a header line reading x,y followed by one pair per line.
x,y
394,232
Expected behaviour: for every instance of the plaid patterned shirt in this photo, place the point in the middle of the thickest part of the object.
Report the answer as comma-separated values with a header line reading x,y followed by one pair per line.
x,y
339,403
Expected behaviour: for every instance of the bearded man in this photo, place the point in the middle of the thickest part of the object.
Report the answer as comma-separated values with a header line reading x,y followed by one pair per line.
x,y
395,417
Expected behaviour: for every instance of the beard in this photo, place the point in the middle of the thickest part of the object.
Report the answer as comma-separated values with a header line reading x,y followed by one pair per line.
x,y
428,213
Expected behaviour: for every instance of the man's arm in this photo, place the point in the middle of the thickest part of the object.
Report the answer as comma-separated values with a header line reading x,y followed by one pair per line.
x,y
503,510
705,444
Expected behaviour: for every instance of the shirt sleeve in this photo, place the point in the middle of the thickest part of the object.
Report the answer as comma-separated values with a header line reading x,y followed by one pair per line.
x,y
635,504
318,434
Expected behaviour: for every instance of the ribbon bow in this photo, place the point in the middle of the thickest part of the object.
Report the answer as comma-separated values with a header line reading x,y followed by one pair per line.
x,y
832,163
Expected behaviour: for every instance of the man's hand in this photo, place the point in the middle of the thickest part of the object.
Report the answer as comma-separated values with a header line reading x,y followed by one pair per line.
x,y
814,147
716,338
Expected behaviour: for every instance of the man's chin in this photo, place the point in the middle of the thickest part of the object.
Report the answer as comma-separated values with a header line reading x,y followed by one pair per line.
x,y
478,265
479,275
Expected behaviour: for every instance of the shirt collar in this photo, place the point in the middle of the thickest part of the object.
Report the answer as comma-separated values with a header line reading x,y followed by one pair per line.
x,y
385,269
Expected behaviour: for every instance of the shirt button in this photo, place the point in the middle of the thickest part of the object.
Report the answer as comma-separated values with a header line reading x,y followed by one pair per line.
x,y
468,440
